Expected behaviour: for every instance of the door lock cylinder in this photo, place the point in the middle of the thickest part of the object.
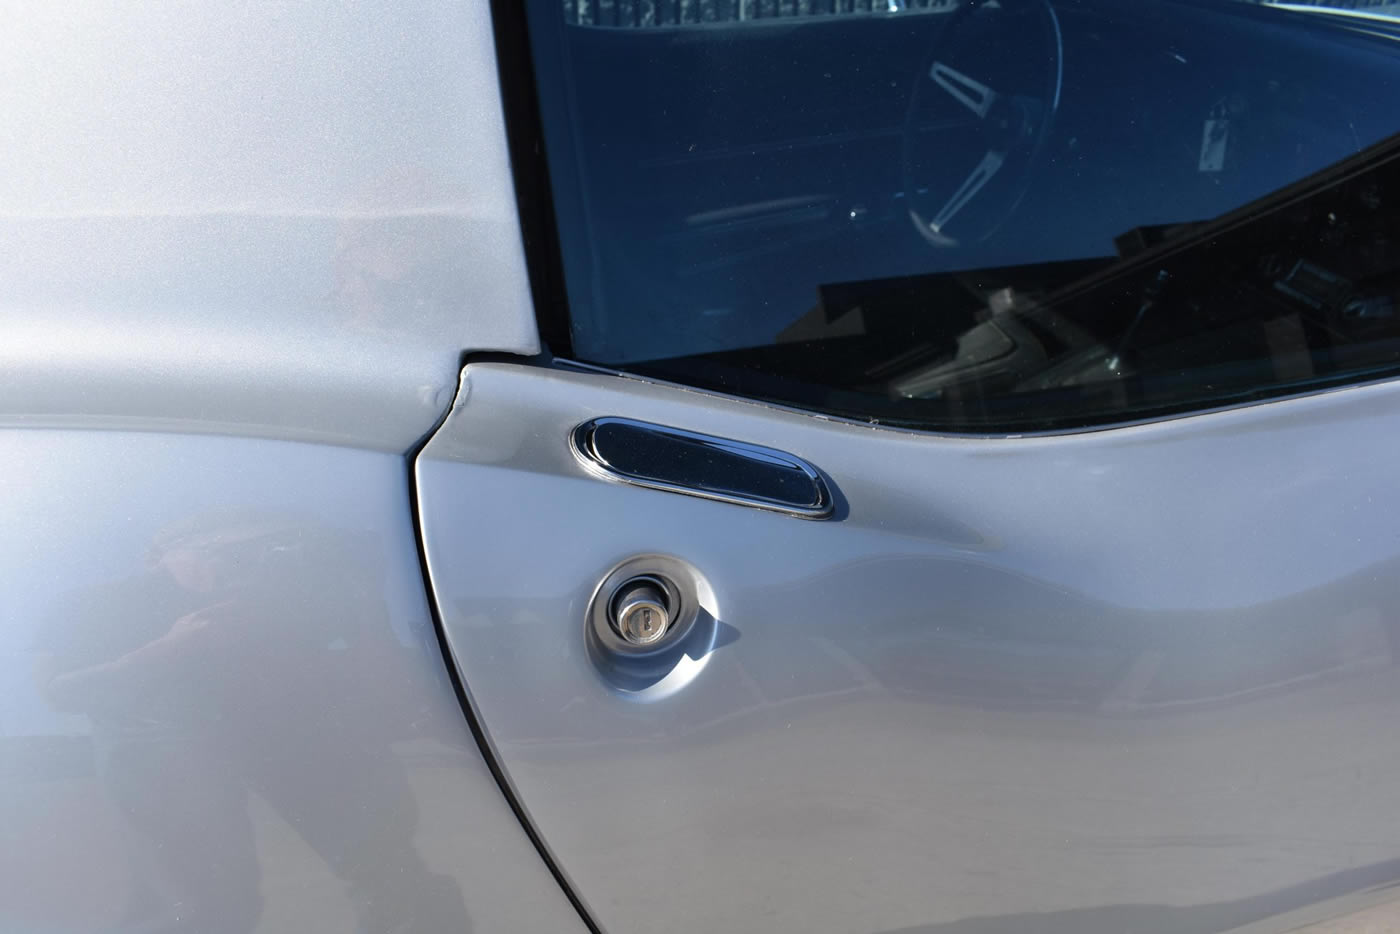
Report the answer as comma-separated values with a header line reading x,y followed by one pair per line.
x,y
640,612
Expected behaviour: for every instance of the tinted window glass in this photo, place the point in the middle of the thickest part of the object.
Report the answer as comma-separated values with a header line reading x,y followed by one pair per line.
x,y
993,215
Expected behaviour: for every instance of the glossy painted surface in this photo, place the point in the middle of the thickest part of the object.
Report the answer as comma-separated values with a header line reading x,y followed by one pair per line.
x,y
223,706
274,219
1135,680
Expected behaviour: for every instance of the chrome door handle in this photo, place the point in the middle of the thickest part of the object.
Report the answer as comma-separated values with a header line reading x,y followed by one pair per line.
x,y
679,461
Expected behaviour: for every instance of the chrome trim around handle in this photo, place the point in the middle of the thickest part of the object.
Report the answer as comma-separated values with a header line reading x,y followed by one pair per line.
x,y
674,460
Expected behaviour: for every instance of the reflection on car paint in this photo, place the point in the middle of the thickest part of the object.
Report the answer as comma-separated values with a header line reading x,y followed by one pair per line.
x,y
1081,684
224,707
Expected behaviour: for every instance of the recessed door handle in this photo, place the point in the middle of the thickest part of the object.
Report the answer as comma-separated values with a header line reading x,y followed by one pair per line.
x,y
679,461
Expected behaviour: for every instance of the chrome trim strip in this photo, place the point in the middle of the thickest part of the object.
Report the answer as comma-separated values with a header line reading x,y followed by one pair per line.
x,y
1302,395
766,464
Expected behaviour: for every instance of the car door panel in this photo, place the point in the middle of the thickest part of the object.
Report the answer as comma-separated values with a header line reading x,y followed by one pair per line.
x,y
1133,679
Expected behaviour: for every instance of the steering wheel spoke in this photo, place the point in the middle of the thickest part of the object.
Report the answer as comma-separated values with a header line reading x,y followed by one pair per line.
x,y
984,172
981,108
968,91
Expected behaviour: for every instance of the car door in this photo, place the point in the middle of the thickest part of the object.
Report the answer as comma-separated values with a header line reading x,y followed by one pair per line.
x,y
1001,562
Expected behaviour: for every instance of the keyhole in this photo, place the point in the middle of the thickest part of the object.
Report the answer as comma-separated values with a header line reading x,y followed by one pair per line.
x,y
640,612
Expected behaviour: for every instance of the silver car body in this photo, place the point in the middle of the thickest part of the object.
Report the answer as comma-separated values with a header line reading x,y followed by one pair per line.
x,y
1135,679
189,337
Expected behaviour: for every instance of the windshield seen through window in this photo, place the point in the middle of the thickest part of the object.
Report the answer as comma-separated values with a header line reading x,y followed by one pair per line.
x,y
988,216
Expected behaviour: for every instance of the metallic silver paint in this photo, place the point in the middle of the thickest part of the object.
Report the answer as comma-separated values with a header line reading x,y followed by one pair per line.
x,y
271,219
1015,687
1131,680
223,705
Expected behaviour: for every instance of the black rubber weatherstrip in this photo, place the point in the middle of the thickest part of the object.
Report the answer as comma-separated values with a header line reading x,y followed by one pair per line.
x,y
534,197
544,266
473,721
459,688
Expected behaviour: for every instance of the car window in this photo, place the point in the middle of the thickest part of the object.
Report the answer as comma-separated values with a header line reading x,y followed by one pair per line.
x,y
983,216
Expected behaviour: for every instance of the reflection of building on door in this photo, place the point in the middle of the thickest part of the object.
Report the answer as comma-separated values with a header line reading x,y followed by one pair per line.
x,y
643,13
